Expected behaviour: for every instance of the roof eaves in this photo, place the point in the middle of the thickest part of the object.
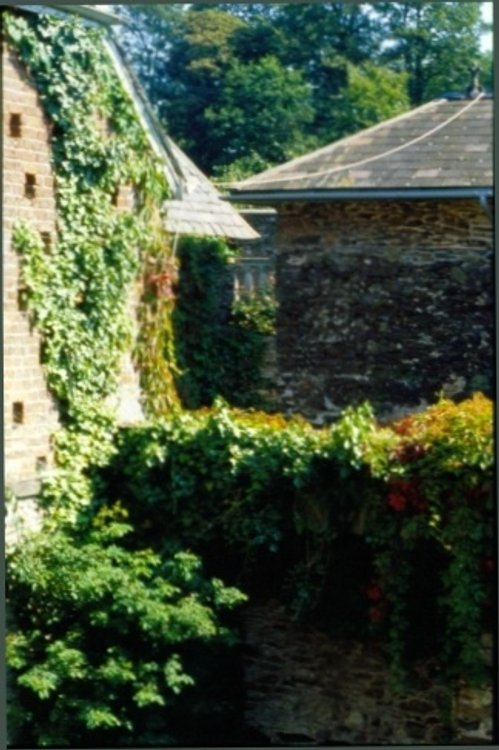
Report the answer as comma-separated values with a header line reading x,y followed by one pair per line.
x,y
270,197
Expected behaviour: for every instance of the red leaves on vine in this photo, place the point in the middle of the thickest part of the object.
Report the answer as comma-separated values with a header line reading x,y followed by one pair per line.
x,y
376,611
406,495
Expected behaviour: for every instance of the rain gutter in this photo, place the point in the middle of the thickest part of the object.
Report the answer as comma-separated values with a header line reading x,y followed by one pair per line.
x,y
270,197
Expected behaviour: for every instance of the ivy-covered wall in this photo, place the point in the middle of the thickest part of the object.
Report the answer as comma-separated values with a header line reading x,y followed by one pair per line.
x,y
30,415
380,538
221,342
86,241
121,627
85,235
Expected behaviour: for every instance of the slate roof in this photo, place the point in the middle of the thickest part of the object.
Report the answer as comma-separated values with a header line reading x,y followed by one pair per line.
x,y
197,207
446,143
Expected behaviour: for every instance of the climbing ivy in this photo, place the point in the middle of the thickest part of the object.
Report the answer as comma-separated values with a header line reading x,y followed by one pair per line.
x,y
382,531
155,351
77,292
221,343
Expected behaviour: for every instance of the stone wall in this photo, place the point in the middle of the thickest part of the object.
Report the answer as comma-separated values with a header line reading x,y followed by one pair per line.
x,y
305,688
389,301
30,413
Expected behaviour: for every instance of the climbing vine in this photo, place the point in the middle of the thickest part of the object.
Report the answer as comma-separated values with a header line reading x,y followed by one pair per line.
x,y
437,507
221,343
155,351
77,292
386,529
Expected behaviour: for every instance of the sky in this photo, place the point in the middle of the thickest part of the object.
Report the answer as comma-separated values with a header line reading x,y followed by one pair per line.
x,y
487,16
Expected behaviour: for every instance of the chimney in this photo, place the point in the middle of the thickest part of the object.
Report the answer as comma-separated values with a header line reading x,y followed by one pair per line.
x,y
474,89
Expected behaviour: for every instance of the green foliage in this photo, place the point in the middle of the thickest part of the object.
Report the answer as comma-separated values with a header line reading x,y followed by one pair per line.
x,y
251,322
199,318
278,505
434,43
101,633
439,497
77,292
219,348
155,350
264,108
373,94
245,86
226,72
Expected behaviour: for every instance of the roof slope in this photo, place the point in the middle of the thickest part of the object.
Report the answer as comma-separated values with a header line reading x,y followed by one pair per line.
x,y
197,207
444,143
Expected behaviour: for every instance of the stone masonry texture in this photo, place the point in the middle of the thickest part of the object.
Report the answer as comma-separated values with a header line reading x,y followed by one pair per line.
x,y
386,301
306,688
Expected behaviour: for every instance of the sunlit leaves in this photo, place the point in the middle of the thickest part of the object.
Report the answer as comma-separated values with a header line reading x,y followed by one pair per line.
x,y
99,629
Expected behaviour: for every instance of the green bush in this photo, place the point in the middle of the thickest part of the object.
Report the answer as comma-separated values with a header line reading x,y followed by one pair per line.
x,y
101,635
382,532
354,512
438,497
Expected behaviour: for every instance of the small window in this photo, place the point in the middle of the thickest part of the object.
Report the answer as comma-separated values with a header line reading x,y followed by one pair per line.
x,y
115,197
22,298
18,412
47,240
30,186
41,463
15,126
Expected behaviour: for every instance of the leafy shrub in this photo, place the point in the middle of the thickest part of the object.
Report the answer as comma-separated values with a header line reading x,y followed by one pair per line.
x,y
264,498
101,633
383,531
438,497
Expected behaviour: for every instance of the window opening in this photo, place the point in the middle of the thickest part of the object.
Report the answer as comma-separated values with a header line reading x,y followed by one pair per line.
x,y
15,126
18,412
22,300
47,240
30,186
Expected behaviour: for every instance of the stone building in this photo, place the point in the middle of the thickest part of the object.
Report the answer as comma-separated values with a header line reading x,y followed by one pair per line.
x,y
30,412
384,246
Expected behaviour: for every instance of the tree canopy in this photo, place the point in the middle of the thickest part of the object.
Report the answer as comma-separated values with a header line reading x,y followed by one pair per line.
x,y
245,86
